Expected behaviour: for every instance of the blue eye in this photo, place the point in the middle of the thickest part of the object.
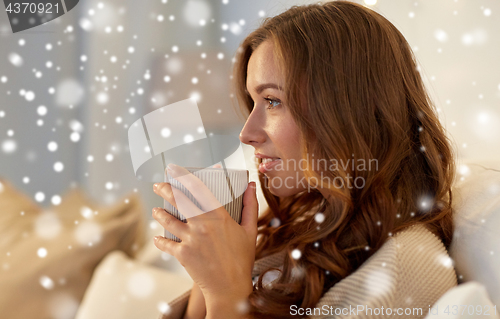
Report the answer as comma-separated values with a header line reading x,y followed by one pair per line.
x,y
272,103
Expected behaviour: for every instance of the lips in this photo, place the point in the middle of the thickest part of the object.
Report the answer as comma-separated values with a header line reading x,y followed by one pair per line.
x,y
268,163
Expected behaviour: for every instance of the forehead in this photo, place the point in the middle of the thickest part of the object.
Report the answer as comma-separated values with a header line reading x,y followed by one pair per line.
x,y
263,67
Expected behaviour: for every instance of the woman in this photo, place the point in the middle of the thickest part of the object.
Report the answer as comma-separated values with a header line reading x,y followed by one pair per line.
x,y
334,87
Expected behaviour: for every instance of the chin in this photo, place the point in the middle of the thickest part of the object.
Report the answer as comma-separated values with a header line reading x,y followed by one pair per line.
x,y
282,191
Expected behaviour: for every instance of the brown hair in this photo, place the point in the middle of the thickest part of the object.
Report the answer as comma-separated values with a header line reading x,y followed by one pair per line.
x,y
352,87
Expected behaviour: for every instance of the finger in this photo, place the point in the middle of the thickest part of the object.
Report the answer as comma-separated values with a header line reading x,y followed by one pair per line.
x,y
166,245
195,186
165,191
169,222
250,211
184,205
217,166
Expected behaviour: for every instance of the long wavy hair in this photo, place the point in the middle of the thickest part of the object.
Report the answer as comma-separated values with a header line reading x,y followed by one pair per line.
x,y
353,88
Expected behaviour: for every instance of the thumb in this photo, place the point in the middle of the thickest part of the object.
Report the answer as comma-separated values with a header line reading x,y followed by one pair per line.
x,y
250,211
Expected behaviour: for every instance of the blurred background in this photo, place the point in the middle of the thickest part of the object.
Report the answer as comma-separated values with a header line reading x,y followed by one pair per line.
x,y
69,89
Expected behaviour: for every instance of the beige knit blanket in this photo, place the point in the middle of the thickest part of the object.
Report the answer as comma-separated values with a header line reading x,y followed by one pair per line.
x,y
405,277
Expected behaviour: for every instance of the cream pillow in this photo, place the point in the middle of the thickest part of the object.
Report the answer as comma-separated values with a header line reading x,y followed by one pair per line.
x,y
48,256
476,239
465,301
122,288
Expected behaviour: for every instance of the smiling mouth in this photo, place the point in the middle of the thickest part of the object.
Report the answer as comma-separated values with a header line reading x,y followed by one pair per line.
x,y
267,160
267,163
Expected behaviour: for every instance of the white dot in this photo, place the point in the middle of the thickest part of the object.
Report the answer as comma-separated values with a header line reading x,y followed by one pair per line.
x,y
113,59
140,91
188,138
41,110
160,18
102,98
131,110
109,185
41,252
109,157
83,58
203,55
296,254
39,197
166,78
441,35
220,56
48,47
30,96
194,80
319,218
52,146
26,179
9,146
10,133
90,158
118,119
48,64
131,49
487,12
165,132
58,167
198,43
75,137
370,2
200,129
3,79
175,48
52,90
46,282
15,59
21,42
164,308
411,14
119,28
56,200
225,26
171,18
196,96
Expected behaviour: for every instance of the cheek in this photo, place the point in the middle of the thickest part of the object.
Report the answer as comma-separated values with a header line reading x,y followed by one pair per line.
x,y
289,137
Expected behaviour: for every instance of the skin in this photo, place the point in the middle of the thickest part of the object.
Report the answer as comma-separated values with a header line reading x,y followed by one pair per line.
x,y
272,131
218,253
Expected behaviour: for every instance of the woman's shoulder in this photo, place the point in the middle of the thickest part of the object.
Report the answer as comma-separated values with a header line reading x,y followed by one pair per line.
x,y
411,270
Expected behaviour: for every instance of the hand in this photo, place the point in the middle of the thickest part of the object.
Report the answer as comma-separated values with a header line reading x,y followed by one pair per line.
x,y
196,308
217,253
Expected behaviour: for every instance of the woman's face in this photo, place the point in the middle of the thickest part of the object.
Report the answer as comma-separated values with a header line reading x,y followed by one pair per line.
x,y
270,128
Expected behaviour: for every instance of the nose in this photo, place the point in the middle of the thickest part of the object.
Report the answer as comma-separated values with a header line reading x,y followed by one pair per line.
x,y
253,132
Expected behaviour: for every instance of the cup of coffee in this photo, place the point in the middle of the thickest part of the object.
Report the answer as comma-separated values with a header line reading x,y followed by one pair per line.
x,y
227,185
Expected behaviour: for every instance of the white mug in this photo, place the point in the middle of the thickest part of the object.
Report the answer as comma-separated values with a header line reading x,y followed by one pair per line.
x,y
227,185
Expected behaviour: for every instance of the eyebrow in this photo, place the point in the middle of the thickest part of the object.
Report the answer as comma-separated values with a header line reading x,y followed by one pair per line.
x,y
262,87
